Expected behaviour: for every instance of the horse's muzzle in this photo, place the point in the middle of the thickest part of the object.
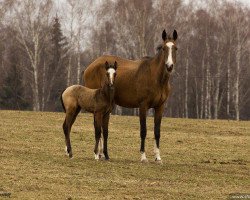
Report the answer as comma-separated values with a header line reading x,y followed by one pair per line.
x,y
170,68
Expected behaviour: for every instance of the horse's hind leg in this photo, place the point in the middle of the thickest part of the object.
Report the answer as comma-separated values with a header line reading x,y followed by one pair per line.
x,y
68,122
97,125
66,131
105,124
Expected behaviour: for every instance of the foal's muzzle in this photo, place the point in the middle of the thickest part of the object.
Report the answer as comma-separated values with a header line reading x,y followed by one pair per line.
x,y
169,67
111,86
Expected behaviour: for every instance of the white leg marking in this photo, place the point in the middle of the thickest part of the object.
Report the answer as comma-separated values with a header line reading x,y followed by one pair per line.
x,y
143,157
157,153
100,148
66,151
97,157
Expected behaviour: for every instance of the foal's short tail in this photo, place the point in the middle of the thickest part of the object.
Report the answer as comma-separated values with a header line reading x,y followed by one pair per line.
x,y
62,101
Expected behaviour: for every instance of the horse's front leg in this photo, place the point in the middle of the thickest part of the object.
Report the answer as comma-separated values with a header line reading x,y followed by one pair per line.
x,y
143,132
98,129
157,131
105,124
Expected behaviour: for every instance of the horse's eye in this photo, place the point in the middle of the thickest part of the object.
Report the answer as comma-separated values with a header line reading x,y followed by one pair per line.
x,y
176,48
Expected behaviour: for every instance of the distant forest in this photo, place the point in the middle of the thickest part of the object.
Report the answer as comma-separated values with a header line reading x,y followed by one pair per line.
x,y
45,45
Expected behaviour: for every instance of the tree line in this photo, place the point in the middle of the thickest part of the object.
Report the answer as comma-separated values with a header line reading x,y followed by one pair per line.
x,y
44,47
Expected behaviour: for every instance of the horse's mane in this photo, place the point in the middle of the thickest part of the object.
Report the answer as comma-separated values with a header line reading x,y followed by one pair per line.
x,y
159,47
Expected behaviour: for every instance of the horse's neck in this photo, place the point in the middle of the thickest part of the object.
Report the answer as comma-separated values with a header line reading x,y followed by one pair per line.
x,y
158,68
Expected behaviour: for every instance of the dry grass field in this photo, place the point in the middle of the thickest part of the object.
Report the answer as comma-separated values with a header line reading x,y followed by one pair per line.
x,y
202,159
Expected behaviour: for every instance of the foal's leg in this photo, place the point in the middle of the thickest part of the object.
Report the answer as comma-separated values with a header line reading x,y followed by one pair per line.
x,y
105,125
143,132
68,122
98,129
157,131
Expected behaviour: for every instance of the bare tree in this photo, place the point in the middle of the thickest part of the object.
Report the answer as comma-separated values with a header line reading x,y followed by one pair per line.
x,y
29,22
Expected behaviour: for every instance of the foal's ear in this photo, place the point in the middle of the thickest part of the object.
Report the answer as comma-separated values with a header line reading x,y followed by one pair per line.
x,y
115,65
164,35
106,65
175,35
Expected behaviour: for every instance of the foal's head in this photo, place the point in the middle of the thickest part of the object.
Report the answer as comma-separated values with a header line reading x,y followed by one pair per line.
x,y
169,47
111,73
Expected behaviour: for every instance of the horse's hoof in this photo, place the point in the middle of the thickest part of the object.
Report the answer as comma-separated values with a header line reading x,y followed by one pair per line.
x,y
158,161
101,156
97,157
107,158
70,155
144,160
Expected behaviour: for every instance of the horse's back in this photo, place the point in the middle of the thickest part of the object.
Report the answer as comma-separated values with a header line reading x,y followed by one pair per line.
x,y
77,95
94,75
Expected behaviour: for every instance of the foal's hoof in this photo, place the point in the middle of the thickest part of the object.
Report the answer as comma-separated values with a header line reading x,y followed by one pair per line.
x,y
157,161
70,155
107,158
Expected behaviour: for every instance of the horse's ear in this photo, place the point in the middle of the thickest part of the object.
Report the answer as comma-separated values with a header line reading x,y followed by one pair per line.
x,y
175,35
164,35
115,65
106,65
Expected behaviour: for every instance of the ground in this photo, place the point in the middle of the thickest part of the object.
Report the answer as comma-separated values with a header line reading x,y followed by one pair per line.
x,y
202,159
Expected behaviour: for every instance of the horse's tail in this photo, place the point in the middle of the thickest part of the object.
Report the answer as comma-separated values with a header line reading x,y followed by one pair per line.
x,y
62,101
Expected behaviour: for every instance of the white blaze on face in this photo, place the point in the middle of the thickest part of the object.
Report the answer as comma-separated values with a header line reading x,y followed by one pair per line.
x,y
169,61
111,73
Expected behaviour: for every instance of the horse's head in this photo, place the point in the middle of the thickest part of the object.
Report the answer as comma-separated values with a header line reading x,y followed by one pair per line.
x,y
169,47
111,73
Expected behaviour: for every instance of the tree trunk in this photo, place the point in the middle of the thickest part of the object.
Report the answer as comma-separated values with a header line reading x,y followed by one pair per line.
x,y
208,84
69,71
196,99
217,83
186,84
202,87
36,104
43,87
78,57
238,56
228,78
78,67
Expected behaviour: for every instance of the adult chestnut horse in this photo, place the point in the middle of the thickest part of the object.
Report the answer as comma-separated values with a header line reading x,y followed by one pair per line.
x,y
140,84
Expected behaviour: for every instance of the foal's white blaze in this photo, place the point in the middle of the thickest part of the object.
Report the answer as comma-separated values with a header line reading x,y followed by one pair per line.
x,y
111,73
169,61
157,153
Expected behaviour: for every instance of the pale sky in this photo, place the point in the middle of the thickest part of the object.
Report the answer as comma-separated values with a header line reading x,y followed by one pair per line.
x,y
246,2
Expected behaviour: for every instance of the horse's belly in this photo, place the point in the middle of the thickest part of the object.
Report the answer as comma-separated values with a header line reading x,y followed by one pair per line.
x,y
159,99
126,101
